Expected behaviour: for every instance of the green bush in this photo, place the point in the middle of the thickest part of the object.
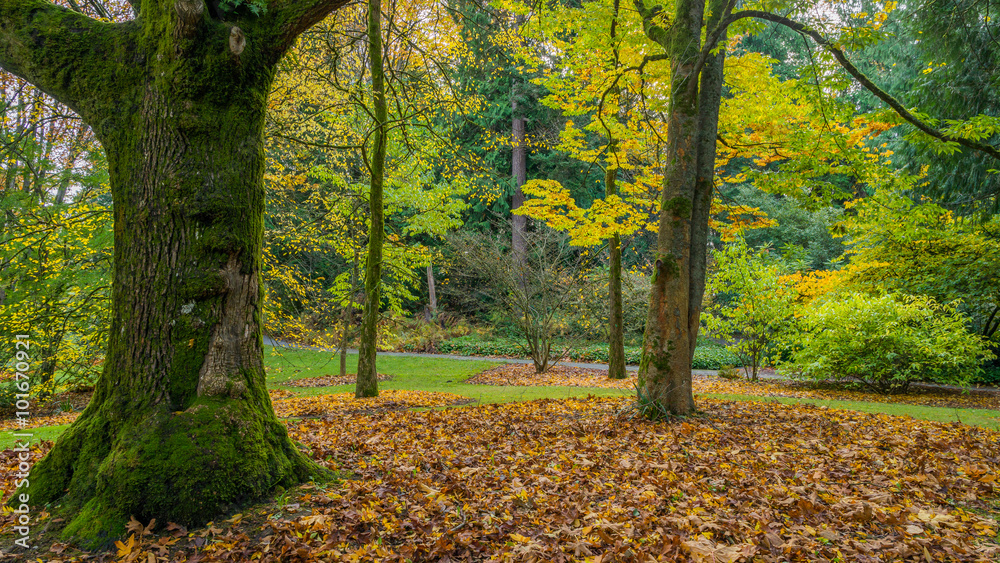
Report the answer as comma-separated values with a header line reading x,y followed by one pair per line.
x,y
417,335
989,375
713,357
750,304
471,345
885,342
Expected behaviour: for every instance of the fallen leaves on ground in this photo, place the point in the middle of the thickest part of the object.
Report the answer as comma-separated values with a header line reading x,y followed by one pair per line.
x,y
328,380
13,424
524,374
391,399
916,395
277,394
577,480
521,374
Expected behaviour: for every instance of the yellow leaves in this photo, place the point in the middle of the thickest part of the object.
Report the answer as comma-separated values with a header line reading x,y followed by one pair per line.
x,y
731,221
553,204
815,284
125,549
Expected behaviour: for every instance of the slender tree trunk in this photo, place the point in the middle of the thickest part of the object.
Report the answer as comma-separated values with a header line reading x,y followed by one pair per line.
x,y
709,100
519,171
616,317
367,382
665,369
431,291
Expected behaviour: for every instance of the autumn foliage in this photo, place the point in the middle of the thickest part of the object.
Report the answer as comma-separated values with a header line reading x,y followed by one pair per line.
x,y
580,480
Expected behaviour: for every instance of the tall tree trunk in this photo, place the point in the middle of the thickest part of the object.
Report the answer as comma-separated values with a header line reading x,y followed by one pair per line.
x,y
180,427
616,317
519,171
367,381
431,291
709,100
665,368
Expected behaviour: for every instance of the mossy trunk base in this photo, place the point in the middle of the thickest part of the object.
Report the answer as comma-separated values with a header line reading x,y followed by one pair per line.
x,y
183,467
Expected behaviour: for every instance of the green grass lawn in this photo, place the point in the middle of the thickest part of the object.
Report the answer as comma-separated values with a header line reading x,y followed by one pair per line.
x,y
424,374
448,376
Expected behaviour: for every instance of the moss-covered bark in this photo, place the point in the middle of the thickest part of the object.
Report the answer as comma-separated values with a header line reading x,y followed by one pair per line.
x,y
367,379
180,427
665,368
709,100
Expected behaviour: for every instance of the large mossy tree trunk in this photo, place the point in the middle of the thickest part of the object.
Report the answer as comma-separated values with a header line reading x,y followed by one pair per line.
x,y
180,427
665,367
367,380
679,277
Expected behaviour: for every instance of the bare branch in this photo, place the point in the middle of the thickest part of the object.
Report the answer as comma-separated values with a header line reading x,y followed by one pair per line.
x,y
863,80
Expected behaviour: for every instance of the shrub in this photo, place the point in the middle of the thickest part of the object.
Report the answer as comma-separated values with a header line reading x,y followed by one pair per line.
x,y
752,304
417,335
8,396
535,289
38,394
988,375
884,342
713,357
589,317
471,345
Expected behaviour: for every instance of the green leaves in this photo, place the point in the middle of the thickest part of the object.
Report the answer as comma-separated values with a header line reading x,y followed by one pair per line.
x,y
751,304
886,341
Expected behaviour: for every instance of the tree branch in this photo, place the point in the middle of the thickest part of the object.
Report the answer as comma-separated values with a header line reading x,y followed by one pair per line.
x,y
288,18
67,55
712,38
862,79
654,31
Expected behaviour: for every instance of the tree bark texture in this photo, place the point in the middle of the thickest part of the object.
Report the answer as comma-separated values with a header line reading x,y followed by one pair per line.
x,y
180,427
431,291
367,380
616,315
665,368
709,100
519,171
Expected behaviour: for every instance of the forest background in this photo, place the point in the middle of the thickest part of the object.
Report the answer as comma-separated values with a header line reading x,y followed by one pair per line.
x,y
526,147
